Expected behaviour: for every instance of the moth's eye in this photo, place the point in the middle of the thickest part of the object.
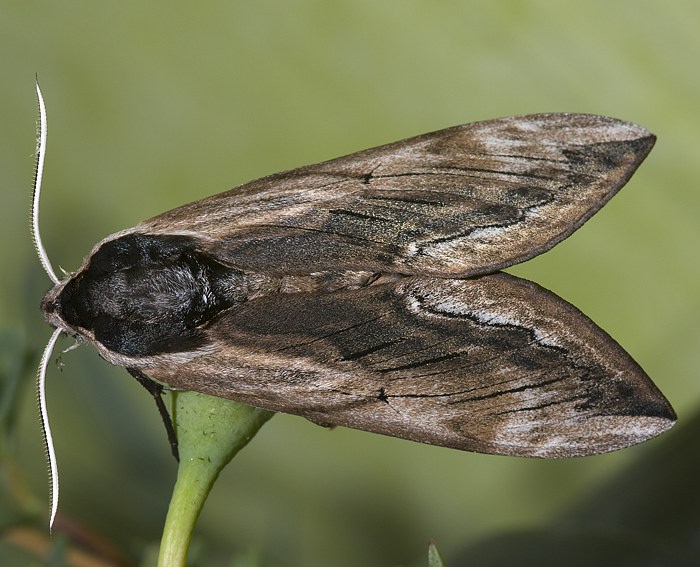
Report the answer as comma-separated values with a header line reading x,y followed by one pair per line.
x,y
49,307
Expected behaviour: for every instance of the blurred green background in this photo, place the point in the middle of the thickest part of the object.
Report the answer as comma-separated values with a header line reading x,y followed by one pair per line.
x,y
154,104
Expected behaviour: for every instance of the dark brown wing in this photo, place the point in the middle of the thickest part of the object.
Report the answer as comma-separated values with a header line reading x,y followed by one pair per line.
x,y
462,201
495,364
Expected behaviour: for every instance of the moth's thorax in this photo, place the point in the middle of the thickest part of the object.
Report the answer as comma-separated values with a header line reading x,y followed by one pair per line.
x,y
140,295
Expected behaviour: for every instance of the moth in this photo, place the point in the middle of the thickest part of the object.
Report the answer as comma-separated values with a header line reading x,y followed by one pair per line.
x,y
366,292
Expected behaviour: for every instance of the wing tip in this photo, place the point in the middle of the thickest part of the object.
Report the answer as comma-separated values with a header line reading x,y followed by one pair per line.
x,y
580,128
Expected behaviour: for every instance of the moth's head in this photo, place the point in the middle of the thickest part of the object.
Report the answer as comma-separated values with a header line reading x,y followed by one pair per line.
x,y
51,309
142,294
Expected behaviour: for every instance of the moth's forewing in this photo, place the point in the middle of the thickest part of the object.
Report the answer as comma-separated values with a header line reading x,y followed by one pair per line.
x,y
458,202
494,364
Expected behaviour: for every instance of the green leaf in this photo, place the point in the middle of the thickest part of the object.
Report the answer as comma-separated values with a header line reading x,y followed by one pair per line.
x,y
17,501
434,559
14,363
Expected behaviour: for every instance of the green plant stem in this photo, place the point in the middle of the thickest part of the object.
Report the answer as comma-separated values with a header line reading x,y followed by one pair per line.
x,y
210,432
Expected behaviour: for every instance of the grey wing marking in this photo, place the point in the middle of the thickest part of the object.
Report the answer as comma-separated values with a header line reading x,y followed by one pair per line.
x,y
459,202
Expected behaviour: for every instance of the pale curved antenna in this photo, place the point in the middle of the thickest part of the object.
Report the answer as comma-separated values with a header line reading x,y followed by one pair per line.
x,y
45,428
46,264
36,193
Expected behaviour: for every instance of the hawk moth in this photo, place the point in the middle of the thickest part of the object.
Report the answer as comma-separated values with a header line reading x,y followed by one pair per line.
x,y
366,292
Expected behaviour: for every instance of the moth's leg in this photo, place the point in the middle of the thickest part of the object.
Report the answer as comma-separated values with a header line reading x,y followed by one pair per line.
x,y
156,390
173,389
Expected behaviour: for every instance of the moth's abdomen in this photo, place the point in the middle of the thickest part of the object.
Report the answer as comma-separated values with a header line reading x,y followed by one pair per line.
x,y
143,295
